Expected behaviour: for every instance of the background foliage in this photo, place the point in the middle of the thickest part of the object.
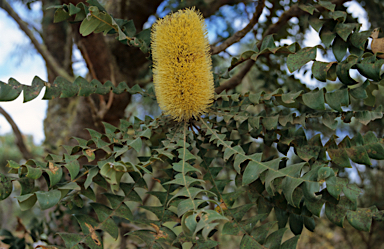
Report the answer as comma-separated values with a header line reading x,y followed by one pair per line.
x,y
270,158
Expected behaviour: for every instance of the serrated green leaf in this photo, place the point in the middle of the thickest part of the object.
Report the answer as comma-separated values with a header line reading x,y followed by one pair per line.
x,y
184,167
73,9
121,209
31,92
316,23
351,191
249,242
228,152
320,70
314,100
339,16
187,205
307,8
92,173
339,48
73,168
327,33
255,97
335,185
370,70
359,39
335,213
274,239
88,226
290,97
345,29
302,57
162,213
337,99
55,173
291,243
60,15
254,169
260,233
72,240
206,222
328,5
270,123
268,43
183,180
103,214
10,91
136,144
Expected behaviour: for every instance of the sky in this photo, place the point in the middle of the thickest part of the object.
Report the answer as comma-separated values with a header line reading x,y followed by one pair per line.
x,y
17,61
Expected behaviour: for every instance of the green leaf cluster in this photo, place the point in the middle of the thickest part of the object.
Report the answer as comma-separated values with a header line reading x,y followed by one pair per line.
x,y
246,168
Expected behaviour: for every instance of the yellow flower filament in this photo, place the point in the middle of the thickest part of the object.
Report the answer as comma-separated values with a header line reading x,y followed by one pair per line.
x,y
182,65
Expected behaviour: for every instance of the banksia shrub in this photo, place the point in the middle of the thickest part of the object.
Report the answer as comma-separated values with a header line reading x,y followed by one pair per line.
x,y
182,64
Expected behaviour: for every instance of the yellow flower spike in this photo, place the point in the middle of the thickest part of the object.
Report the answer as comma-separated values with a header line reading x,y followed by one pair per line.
x,y
182,65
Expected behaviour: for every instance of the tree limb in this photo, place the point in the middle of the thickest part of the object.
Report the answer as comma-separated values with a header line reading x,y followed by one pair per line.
x,y
274,28
236,79
241,33
211,8
49,59
19,138
293,11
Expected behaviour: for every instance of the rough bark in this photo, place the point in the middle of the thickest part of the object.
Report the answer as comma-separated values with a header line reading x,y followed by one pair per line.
x,y
55,37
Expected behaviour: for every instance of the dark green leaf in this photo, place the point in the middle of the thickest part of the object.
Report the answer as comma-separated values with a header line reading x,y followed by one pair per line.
x,y
302,57
261,232
274,239
5,187
314,100
268,42
73,168
339,48
31,92
296,223
307,8
60,15
291,243
72,240
337,99
316,23
359,39
48,199
327,34
73,9
320,70
249,242
328,5
88,25
10,91
345,29
360,219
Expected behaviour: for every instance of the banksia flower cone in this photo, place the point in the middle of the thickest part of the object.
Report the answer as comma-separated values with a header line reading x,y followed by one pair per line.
x,y
182,65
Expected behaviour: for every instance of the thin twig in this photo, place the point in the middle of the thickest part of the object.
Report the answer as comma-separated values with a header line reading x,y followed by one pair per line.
x,y
293,11
49,59
19,137
236,79
274,28
104,107
241,33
